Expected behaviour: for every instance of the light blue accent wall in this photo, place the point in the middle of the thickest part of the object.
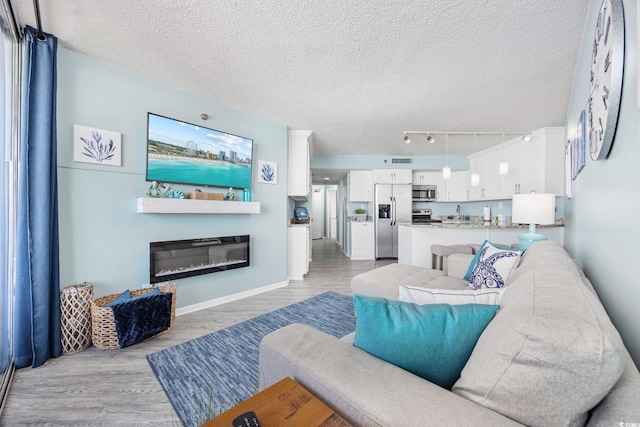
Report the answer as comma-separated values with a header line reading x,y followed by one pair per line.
x,y
102,238
601,218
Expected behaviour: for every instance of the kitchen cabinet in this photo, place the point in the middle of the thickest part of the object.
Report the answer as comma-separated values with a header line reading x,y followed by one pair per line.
x,y
495,188
424,177
362,240
360,186
392,176
299,164
477,165
542,163
522,165
456,187
536,165
299,251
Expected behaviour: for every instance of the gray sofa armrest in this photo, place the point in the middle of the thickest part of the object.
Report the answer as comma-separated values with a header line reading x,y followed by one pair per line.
x,y
363,389
458,264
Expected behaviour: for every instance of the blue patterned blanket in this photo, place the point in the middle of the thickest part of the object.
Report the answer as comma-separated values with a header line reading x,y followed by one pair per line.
x,y
142,317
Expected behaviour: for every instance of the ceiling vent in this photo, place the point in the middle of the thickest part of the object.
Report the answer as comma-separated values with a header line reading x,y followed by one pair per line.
x,y
404,161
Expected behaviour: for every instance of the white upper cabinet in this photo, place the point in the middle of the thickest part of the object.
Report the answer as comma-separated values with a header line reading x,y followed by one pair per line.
x,y
360,186
423,178
535,165
299,163
456,187
392,176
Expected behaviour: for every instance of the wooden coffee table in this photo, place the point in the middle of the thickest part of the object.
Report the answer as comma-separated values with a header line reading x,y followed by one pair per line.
x,y
285,403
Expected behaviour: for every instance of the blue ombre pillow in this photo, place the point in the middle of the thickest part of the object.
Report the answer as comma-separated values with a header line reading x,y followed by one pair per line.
x,y
433,341
126,296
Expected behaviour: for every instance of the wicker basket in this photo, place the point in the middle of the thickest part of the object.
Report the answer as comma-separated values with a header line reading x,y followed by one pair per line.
x,y
103,331
75,317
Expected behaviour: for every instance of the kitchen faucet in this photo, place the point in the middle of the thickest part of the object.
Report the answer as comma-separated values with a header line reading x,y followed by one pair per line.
x,y
458,211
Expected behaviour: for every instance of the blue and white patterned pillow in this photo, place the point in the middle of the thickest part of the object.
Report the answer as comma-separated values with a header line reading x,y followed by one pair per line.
x,y
494,266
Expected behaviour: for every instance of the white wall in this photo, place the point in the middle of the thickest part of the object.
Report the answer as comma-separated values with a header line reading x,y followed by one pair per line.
x,y
602,217
102,238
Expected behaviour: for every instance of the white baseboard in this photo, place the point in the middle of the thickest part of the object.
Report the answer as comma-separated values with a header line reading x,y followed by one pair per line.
x,y
228,298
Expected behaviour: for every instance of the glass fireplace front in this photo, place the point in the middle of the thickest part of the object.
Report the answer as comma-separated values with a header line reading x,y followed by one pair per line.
x,y
178,259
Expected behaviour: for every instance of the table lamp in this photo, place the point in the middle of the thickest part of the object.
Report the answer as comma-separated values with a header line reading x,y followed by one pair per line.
x,y
532,209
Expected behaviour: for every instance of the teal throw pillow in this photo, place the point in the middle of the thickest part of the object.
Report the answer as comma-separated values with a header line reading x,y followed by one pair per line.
x,y
433,341
125,296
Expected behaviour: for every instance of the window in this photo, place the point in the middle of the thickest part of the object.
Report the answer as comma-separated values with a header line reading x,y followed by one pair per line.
x,y
8,172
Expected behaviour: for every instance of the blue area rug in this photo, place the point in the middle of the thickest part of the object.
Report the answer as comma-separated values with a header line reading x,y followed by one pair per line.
x,y
207,375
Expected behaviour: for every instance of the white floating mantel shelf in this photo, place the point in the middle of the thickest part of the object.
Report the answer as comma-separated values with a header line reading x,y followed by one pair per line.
x,y
148,205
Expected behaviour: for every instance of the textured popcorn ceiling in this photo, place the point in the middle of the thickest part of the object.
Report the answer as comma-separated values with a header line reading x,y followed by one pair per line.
x,y
357,73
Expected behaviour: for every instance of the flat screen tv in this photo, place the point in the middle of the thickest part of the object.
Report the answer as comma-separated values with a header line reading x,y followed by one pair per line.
x,y
184,153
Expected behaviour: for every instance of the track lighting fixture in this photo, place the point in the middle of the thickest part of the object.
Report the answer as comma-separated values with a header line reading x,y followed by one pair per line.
x,y
430,139
406,138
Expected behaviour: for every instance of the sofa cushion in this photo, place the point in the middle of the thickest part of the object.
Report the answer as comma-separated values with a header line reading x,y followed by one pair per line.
x,y
432,341
383,282
551,353
418,295
493,266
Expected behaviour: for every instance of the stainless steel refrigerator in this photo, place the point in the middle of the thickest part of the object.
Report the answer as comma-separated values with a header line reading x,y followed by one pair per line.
x,y
392,206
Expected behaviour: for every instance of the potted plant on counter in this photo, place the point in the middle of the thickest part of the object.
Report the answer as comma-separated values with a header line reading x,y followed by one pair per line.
x,y
361,214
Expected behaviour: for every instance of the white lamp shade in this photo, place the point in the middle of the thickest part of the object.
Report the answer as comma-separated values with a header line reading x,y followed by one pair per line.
x,y
533,208
446,172
503,168
475,179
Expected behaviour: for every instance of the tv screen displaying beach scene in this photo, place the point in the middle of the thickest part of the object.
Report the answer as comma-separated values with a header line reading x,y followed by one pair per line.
x,y
184,153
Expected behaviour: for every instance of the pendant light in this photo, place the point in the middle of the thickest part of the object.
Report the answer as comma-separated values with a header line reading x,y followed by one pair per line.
x,y
475,176
503,168
446,170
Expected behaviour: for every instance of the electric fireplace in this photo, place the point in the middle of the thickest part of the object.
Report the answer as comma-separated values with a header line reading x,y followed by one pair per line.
x,y
178,259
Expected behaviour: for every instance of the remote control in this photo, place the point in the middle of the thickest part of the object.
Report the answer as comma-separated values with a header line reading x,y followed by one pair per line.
x,y
247,419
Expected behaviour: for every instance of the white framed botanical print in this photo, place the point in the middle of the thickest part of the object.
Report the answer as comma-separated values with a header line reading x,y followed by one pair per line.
x,y
267,172
99,146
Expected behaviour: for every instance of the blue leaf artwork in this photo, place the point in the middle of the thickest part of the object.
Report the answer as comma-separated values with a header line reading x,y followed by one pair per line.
x,y
97,146
268,172
95,149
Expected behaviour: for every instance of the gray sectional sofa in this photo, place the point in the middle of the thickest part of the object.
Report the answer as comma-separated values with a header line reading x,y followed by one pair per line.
x,y
550,357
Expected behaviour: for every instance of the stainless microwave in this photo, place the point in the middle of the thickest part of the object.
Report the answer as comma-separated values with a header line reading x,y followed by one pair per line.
x,y
424,193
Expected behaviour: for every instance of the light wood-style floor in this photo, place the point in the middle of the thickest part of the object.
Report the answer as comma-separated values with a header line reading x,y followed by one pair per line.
x,y
117,388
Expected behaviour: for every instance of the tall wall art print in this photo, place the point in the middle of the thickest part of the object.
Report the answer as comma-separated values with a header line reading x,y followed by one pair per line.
x,y
98,146
267,172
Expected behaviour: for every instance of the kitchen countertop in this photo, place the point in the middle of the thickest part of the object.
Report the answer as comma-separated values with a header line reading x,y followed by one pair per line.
x,y
474,225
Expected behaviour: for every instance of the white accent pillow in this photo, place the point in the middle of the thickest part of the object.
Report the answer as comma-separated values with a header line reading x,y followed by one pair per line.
x,y
494,266
423,296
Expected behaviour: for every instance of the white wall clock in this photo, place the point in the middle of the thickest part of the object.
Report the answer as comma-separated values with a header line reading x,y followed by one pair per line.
x,y
607,67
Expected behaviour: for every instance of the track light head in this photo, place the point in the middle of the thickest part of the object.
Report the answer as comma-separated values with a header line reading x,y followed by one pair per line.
x,y
406,138
526,138
430,139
